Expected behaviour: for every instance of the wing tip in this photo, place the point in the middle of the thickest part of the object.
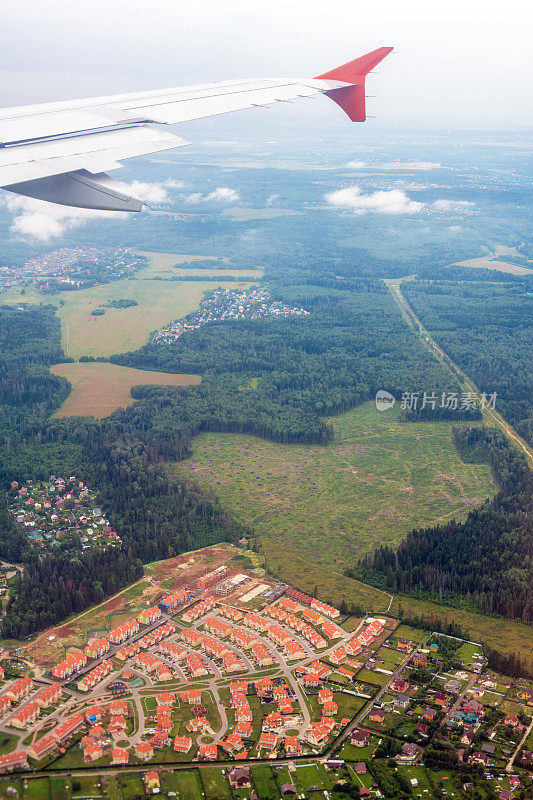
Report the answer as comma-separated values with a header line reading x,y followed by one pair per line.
x,y
356,70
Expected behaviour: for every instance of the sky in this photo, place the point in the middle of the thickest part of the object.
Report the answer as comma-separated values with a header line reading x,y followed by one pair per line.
x,y
459,64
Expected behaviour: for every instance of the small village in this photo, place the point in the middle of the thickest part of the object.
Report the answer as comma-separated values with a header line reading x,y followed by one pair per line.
x,y
72,268
60,513
229,304
233,677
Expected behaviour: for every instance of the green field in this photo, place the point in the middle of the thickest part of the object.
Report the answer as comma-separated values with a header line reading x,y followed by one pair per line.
x,y
331,505
121,329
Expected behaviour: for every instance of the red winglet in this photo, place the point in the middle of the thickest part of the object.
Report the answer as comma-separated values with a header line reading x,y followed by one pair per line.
x,y
352,98
354,70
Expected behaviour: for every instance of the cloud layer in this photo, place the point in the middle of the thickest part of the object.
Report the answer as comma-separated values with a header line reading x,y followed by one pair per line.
x,y
152,192
393,201
222,194
453,205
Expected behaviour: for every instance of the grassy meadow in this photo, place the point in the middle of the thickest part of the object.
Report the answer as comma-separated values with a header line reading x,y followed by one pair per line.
x,y
98,388
328,506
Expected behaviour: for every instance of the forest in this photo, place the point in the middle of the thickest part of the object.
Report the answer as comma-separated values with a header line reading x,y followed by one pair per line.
x,y
485,561
486,328
279,379
352,344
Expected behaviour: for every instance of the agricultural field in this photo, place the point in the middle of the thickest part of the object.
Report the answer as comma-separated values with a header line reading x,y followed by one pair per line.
x,y
491,263
166,265
330,505
98,388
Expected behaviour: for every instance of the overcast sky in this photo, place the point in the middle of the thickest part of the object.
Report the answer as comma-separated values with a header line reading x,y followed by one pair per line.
x,y
458,63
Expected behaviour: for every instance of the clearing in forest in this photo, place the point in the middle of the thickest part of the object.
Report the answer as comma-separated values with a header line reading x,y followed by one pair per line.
x,y
327,506
99,388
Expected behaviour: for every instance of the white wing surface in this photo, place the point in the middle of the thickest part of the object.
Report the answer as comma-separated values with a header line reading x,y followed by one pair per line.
x,y
59,151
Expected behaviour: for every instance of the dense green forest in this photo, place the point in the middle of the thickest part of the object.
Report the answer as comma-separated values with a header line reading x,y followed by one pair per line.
x,y
486,561
487,329
352,344
121,456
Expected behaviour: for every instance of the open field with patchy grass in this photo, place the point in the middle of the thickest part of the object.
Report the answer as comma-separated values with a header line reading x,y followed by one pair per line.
x,y
99,389
331,505
164,265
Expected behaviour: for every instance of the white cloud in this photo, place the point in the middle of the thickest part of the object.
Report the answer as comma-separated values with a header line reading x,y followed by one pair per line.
x,y
152,191
195,197
271,199
356,164
393,201
36,219
42,221
408,165
453,205
222,194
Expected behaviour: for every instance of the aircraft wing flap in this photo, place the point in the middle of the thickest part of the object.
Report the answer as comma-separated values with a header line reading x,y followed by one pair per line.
x,y
94,152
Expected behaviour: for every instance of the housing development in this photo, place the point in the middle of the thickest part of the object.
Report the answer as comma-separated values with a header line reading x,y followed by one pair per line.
x,y
227,669
70,268
229,304
60,513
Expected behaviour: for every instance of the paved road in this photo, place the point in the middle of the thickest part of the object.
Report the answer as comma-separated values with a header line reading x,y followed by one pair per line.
x,y
396,291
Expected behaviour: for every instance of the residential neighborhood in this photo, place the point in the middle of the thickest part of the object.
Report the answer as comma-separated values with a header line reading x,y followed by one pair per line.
x,y
266,675
71,268
60,513
229,304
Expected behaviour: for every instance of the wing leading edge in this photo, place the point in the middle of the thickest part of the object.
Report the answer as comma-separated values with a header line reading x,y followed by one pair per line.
x,y
59,151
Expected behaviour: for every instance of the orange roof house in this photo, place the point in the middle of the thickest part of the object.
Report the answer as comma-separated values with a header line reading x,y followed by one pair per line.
x,y
144,750
330,708
120,755
182,744
292,746
268,741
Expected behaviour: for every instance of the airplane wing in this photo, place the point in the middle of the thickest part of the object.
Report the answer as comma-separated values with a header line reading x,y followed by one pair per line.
x,y
60,151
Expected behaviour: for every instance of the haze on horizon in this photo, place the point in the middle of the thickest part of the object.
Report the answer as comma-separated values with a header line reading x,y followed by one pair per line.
x,y
462,64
